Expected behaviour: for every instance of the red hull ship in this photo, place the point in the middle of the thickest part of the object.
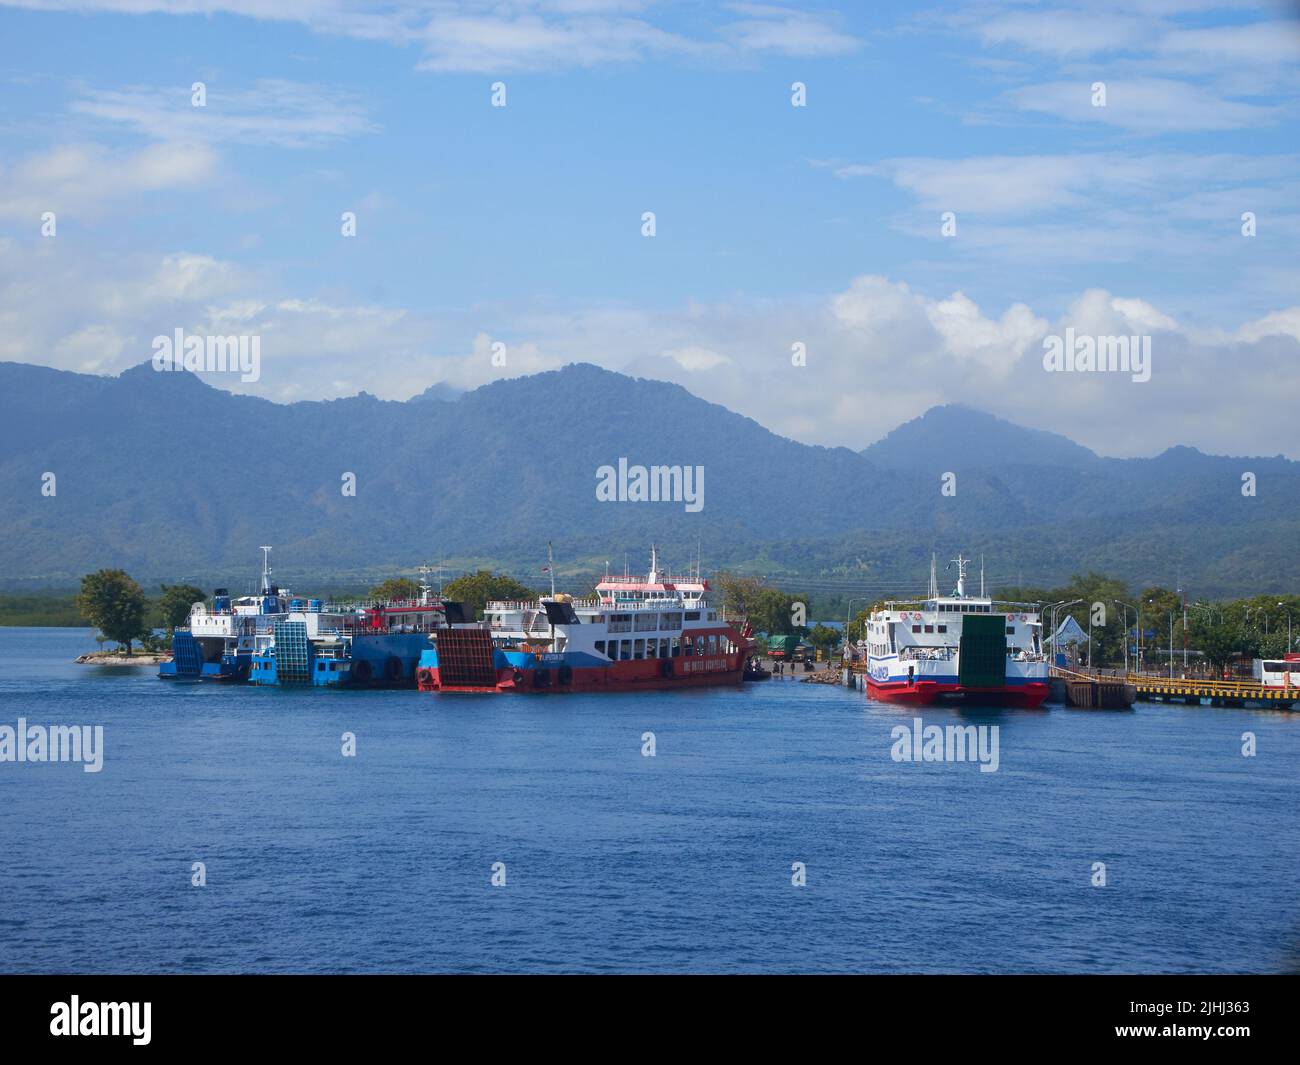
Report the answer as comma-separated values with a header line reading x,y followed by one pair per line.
x,y
958,648
637,634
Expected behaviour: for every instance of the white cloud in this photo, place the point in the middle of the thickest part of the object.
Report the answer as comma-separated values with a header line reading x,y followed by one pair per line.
x,y
878,351
273,111
463,36
80,179
1147,105
697,358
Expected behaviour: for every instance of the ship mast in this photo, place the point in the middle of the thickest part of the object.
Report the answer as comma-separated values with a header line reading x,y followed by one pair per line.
x,y
425,591
961,564
266,569
550,565
934,577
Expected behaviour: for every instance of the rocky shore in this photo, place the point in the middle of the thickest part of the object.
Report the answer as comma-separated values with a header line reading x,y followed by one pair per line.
x,y
118,658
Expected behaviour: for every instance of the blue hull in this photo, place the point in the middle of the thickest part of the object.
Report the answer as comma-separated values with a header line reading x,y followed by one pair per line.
x,y
379,661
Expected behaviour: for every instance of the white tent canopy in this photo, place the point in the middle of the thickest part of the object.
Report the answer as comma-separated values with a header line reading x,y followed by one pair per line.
x,y
1069,632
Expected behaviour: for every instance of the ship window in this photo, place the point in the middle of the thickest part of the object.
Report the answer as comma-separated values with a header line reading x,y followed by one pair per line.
x,y
699,645
943,628
929,628
916,628
1011,630
624,650
713,615
692,615
639,650
713,645
600,647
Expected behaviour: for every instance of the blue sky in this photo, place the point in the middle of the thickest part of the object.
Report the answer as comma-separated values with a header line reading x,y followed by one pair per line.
x,y
775,224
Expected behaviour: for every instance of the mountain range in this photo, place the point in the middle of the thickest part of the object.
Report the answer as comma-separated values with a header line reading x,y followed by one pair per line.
x,y
169,478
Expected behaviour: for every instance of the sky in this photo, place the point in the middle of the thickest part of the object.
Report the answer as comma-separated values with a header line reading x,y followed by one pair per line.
x,y
800,272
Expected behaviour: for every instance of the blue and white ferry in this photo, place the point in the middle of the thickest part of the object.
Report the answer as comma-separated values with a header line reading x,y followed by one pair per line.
x,y
328,646
219,642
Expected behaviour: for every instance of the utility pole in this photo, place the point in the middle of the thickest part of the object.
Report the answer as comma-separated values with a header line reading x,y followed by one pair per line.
x,y
1184,632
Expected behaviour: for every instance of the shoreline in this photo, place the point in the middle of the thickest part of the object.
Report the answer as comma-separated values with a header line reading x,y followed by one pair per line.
x,y
117,658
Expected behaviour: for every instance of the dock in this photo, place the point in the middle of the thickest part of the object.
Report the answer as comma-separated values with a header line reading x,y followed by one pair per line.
x,y
1219,692
1094,691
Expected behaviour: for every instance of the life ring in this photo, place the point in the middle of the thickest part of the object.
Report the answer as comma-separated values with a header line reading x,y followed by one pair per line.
x,y
393,668
362,670
425,676
518,677
1024,617
1011,617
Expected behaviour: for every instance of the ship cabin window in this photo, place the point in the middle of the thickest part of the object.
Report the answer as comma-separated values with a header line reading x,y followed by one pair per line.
x,y
916,628
699,645
624,650
670,619
942,628
1011,630
639,650
620,623
692,615
600,647
713,645
929,628
713,615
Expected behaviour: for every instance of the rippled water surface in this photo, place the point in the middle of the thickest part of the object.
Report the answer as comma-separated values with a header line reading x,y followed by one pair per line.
x,y
619,862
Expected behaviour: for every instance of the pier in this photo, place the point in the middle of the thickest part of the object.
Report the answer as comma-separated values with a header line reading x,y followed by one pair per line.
x,y
1218,692
1093,691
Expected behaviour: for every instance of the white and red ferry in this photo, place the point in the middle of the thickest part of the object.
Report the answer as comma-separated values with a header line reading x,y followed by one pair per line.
x,y
637,633
956,648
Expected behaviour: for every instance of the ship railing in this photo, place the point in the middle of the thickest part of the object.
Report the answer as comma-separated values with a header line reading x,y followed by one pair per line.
x,y
925,654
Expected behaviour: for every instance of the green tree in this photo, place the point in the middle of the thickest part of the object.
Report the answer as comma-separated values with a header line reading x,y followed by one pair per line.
x,y
767,609
1219,643
396,588
175,602
1273,645
475,589
114,604
823,637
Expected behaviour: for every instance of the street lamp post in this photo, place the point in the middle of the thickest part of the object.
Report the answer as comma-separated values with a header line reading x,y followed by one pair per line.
x,y
1126,607
1172,614
1054,608
848,613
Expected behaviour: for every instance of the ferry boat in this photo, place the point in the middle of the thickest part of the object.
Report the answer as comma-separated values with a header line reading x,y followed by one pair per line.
x,y
956,648
637,633
373,646
278,638
218,643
